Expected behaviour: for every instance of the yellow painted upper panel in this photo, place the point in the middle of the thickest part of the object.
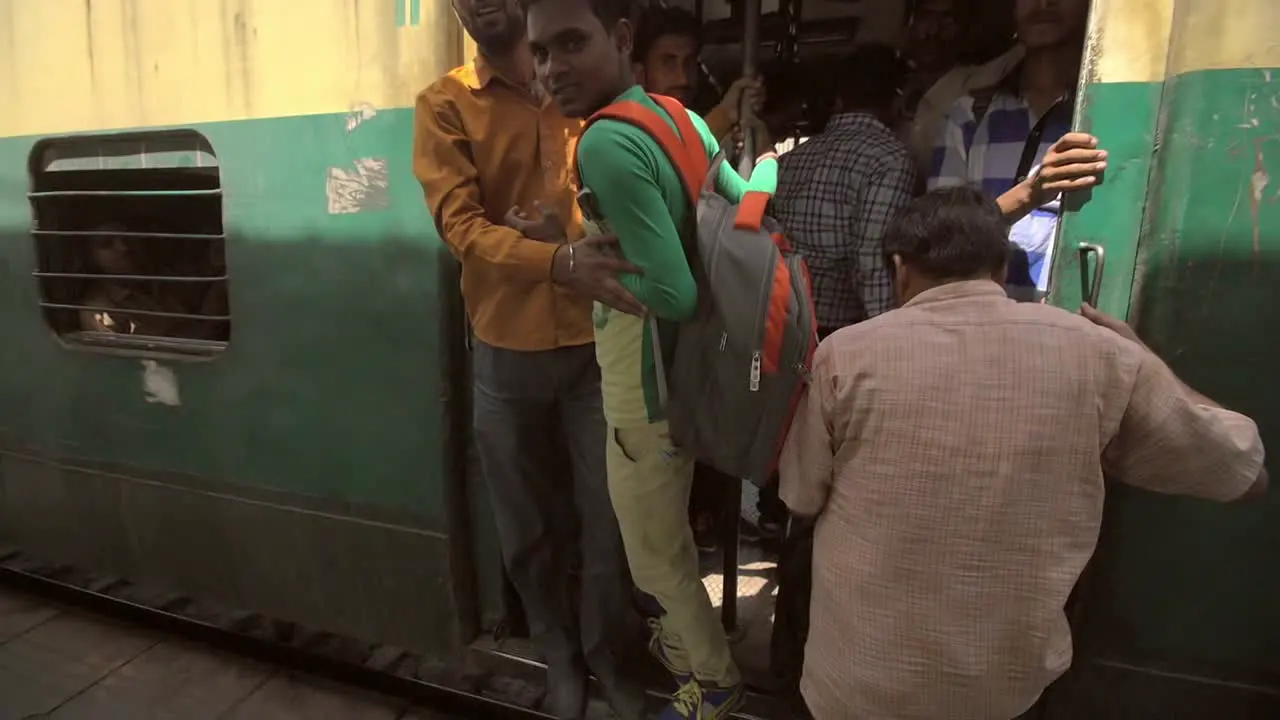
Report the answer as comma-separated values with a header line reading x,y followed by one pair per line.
x,y
1128,40
1225,35
69,65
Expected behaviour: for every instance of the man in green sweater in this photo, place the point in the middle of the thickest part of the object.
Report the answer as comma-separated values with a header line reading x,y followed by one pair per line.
x,y
581,54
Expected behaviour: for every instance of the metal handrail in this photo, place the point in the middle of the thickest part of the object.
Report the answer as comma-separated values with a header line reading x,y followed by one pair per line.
x,y
127,233
123,193
126,311
131,278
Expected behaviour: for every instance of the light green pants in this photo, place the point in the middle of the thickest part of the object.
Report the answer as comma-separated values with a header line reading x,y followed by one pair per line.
x,y
649,483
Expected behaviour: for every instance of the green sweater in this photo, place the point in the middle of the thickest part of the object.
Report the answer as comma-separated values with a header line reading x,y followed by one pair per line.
x,y
638,196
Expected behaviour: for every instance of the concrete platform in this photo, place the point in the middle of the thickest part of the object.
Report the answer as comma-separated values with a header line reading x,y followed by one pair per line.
x,y
61,664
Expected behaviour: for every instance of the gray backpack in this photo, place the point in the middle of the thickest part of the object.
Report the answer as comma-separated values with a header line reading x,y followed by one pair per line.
x,y
740,365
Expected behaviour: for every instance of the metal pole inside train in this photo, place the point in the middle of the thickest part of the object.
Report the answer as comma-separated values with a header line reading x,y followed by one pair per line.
x,y
730,535
750,48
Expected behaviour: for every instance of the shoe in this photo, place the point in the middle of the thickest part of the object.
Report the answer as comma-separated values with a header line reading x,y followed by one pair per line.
x,y
771,529
695,702
659,652
566,692
625,698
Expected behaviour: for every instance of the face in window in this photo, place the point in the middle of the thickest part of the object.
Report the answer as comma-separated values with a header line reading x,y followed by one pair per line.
x,y
495,25
1049,23
671,68
582,64
110,254
934,34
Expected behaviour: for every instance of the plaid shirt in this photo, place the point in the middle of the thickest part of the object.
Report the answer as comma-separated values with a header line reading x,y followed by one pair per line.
x,y
836,194
987,153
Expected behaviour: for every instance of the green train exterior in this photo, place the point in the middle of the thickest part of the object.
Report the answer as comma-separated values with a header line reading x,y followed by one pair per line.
x,y
1179,613
317,468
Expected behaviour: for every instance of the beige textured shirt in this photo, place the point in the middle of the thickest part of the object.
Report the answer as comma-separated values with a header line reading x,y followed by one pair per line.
x,y
954,451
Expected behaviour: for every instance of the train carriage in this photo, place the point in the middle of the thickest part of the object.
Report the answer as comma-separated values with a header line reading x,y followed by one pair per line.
x,y
1177,616
299,464
300,447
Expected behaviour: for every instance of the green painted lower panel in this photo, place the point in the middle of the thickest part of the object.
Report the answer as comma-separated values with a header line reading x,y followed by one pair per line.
x,y
331,384
342,378
376,581
1183,589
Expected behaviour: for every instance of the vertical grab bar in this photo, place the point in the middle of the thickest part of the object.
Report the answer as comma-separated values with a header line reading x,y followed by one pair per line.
x,y
1091,283
729,538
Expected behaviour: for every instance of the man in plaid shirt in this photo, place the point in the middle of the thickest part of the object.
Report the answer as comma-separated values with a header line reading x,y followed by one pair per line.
x,y
838,191
836,195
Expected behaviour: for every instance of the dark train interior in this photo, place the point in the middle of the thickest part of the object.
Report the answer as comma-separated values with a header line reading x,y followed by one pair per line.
x,y
799,42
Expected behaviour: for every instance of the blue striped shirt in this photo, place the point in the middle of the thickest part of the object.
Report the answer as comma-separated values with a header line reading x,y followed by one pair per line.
x,y
987,152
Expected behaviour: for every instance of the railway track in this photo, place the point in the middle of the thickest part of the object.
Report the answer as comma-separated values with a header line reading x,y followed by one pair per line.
x,y
383,670
380,669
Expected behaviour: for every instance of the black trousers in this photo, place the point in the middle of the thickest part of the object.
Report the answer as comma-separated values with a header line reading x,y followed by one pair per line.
x,y
549,523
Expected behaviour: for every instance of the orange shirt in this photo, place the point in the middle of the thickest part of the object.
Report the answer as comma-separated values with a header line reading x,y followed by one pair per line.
x,y
482,145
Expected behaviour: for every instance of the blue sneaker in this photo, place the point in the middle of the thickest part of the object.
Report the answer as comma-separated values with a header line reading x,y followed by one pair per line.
x,y
695,702
659,652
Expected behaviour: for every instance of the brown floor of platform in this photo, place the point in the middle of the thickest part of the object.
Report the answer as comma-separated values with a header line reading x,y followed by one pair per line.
x,y
64,665
757,592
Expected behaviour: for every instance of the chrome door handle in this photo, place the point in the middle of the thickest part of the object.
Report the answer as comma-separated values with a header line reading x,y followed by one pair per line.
x,y
1091,283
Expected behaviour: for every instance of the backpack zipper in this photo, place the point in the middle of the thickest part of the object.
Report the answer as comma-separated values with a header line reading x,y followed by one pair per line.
x,y
755,371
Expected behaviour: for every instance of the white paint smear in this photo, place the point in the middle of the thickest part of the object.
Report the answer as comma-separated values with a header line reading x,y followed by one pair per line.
x,y
363,187
159,384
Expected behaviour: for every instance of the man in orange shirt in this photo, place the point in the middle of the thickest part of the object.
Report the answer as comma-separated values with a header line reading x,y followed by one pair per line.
x,y
492,154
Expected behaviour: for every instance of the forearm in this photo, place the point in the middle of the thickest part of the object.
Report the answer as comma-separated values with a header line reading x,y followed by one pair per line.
x,y
451,182
615,163
473,239
1016,203
720,122
666,286
764,178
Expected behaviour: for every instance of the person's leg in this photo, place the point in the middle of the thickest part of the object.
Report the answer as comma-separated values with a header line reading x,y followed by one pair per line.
x,y
773,512
605,613
649,482
705,509
514,407
791,612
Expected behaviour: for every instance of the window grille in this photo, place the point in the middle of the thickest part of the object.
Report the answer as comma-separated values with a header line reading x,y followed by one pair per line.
x,y
129,242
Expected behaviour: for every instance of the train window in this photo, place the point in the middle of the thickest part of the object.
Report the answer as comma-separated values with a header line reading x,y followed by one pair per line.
x,y
129,242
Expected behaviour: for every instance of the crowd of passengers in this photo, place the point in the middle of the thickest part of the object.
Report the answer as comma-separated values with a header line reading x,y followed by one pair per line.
x,y
947,461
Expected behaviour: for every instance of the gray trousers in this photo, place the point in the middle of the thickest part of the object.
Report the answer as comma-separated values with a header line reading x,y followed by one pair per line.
x,y
520,398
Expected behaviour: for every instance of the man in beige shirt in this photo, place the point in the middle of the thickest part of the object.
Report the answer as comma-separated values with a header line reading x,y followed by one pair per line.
x,y
953,451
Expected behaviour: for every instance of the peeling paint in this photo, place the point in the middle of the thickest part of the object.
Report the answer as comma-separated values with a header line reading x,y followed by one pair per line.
x,y
1257,185
359,114
159,384
363,188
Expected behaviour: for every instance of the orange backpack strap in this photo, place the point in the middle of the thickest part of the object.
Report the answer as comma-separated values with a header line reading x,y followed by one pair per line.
x,y
682,158
750,215
689,134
